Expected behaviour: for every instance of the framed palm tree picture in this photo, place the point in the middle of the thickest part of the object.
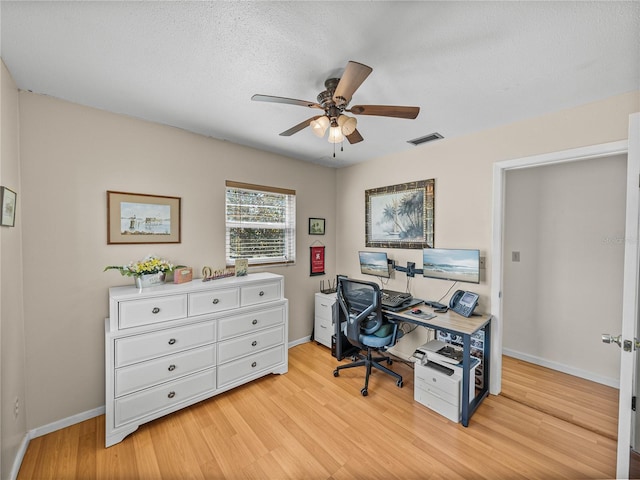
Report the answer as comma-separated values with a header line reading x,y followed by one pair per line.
x,y
400,216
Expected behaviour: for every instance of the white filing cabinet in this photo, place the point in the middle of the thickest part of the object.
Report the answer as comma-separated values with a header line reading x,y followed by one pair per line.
x,y
325,312
439,391
171,346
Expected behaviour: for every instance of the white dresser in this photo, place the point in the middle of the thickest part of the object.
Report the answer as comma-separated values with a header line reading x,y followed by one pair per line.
x,y
325,312
171,346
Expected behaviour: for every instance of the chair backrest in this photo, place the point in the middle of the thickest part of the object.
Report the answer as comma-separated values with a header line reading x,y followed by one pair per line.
x,y
360,302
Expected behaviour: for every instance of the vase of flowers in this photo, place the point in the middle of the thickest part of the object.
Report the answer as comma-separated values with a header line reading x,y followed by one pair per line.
x,y
148,272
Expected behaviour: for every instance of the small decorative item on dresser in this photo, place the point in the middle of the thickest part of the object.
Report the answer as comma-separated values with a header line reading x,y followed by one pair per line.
x,y
182,275
242,267
147,272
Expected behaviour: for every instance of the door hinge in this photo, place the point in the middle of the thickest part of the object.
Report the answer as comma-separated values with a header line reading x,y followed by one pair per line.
x,y
633,403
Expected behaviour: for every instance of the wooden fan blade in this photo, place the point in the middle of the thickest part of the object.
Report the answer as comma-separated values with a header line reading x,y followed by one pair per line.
x,y
386,111
300,126
289,101
355,137
354,74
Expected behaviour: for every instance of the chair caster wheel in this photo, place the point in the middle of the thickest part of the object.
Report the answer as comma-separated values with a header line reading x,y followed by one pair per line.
x,y
399,383
389,361
364,392
336,373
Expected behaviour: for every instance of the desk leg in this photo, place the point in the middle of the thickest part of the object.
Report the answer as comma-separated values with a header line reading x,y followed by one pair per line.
x,y
466,370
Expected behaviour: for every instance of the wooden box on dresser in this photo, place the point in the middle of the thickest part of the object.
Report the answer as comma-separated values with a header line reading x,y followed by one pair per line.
x,y
171,346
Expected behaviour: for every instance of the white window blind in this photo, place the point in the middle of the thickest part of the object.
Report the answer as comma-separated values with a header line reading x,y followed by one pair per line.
x,y
260,224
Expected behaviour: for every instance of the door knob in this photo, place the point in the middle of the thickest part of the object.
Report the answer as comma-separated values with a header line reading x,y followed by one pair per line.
x,y
606,338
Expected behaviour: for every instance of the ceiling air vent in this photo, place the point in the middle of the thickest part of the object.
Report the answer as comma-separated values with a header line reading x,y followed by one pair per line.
x,y
427,138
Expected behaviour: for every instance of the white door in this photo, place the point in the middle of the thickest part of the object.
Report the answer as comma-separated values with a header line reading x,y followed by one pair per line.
x,y
630,315
629,300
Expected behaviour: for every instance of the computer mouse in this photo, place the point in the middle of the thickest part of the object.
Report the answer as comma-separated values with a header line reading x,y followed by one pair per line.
x,y
416,311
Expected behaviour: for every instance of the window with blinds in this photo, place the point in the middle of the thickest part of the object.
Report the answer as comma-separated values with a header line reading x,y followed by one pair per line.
x,y
260,224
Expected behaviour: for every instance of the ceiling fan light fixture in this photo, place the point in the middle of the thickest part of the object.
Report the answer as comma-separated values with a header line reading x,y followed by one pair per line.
x,y
319,126
347,124
335,135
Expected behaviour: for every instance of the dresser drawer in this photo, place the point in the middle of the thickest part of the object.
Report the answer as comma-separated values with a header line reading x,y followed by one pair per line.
x,y
254,294
250,322
147,374
251,365
241,346
213,301
152,400
138,348
134,313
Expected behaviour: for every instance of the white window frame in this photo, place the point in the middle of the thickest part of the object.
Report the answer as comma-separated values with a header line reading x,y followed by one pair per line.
x,y
289,225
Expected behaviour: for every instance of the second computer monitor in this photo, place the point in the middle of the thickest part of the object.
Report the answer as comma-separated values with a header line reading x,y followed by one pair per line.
x,y
451,264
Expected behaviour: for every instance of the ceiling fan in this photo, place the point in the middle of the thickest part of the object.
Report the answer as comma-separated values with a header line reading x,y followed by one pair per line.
x,y
334,101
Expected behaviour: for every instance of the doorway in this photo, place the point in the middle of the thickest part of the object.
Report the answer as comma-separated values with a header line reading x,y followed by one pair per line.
x,y
628,328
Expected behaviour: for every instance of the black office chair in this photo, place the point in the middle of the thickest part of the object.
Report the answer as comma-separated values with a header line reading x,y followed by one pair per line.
x,y
366,327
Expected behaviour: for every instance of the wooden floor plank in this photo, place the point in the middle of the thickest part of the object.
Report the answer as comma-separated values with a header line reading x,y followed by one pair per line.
x,y
310,424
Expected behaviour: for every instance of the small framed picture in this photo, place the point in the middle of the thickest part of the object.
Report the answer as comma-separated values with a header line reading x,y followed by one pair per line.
x,y
316,226
141,218
8,207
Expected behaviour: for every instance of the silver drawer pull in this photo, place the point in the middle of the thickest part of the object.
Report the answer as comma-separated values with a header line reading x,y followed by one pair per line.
x,y
215,301
172,341
171,394
254,343
155,310
254,364
172,368
255,321
261,293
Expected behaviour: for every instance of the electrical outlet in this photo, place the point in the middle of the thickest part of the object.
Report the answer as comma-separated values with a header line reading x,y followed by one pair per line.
x,y
483,262
515,256
16,408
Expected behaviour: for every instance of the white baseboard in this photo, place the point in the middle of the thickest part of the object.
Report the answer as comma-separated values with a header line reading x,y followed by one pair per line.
x,y
51,427
576,372
66,422
17,461
300,341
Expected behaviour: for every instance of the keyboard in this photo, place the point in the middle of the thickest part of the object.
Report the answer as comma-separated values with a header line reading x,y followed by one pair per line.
x,y
392,299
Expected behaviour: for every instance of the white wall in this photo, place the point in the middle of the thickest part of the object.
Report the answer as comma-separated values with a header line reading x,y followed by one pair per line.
x,y
12,352
462,169
71,155
567,222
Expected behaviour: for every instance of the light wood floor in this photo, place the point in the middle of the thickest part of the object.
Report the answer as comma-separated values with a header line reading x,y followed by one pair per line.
x,y
309,425
590,405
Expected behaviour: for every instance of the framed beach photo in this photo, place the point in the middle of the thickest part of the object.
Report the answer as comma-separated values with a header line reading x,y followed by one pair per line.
x,y
140,218
400,216
9,198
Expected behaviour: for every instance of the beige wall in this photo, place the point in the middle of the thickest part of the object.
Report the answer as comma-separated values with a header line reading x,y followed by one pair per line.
x,y
12,353
462,168
71,155
567,222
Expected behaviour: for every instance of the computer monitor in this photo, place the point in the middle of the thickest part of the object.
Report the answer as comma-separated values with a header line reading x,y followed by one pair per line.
x,y
451,264
374,263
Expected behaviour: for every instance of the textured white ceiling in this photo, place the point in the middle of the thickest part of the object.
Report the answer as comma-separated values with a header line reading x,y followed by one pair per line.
x,y
469,66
